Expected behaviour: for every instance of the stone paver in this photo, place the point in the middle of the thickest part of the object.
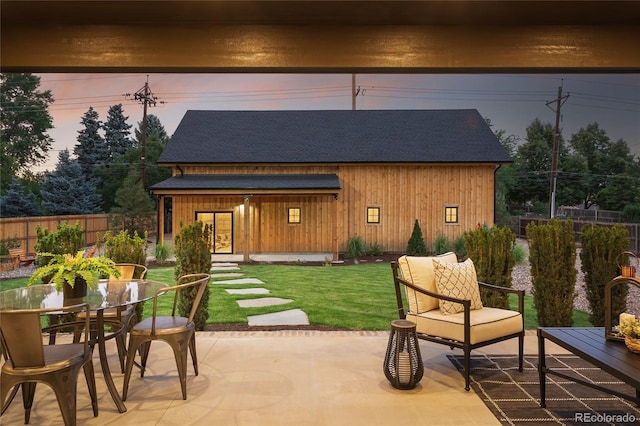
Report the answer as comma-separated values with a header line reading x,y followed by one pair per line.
x,y
263,301
290,317
227,275
247,291
238,281
224,268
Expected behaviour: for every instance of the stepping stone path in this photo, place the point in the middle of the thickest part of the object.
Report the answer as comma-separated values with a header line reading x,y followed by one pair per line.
x,y
287,317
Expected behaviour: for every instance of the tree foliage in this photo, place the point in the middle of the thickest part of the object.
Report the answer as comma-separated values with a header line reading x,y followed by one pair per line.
x,y
191,248
68,191
134,210
91,150
17,202
552,254
491,250
24,122
600,255
415,245
116,131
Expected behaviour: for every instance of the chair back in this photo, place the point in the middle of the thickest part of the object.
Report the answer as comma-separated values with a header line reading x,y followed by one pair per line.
x,y
21,334
184,282
129,271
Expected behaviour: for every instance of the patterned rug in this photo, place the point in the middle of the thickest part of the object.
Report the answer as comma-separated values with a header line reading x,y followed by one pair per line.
x,y
514,397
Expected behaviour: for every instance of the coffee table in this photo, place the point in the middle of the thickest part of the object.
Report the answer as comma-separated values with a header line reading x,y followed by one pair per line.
x,y
589,343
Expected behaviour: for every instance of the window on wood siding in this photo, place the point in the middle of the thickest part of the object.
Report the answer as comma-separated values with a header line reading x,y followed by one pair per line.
x,y
373,214
451,214
294,215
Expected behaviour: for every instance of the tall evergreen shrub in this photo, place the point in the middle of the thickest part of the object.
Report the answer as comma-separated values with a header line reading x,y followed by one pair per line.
x,y
192,254
601,252
552,254
491,250
415,245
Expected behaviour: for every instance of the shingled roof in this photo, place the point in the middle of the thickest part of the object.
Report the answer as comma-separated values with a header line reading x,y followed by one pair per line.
x,y
335,136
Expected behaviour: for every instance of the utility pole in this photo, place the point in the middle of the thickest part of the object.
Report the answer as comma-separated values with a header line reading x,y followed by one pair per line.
x,y
560,100
354,91
146,98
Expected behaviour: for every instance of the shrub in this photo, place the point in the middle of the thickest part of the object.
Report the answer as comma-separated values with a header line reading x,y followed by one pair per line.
x,y
66,239
192,253
355,248
415,245
600,254
162,252
491,250
442,245
374,250
126,247
630,213
552,254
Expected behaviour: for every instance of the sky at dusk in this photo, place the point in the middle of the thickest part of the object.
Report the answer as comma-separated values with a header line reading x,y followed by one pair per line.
x,y
510,101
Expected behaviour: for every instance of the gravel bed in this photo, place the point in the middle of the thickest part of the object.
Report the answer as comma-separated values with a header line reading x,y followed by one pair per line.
x,y
521,280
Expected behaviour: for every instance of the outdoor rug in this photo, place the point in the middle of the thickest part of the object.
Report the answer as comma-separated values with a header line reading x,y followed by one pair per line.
x,y
514,396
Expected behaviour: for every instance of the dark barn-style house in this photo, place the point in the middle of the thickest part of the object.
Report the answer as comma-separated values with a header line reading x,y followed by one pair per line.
x,y
308,181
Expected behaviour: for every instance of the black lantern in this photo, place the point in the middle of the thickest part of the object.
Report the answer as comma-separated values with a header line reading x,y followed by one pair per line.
x,y
403,363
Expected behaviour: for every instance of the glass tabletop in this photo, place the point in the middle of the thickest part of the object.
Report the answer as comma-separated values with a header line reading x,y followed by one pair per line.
x,y
108,294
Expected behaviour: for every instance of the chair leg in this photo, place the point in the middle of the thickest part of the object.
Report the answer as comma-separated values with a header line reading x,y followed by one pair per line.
x,y
6,387
144,354
135,342
180,354
467,369
28,391
91,384
65,387
520,351
194,354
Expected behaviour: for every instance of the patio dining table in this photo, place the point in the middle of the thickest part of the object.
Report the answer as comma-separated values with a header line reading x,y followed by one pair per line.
x,y
108,294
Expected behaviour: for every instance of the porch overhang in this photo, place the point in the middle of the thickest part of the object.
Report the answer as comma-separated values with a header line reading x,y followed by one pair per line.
x,y
249,184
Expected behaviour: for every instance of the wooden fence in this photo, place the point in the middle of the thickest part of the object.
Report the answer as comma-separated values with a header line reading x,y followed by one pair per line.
x,y
519,227
23,229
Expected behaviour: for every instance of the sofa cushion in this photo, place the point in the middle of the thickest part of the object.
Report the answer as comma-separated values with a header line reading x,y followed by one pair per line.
x,y
419,271
457,280
486,324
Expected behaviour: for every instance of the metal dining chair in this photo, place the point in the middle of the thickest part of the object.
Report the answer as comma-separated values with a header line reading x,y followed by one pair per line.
x,y
120,319
30,361
178,332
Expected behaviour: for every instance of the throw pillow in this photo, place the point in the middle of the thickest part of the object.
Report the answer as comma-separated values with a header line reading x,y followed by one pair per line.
x,y
457,280
419,271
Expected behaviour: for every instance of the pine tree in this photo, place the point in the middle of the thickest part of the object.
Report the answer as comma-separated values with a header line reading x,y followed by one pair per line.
x,y
91,149
154,127
68,191
18,203
24,122
116,131
134,210
416,246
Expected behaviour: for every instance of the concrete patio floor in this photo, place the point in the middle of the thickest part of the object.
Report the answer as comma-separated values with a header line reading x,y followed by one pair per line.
x,y
281,378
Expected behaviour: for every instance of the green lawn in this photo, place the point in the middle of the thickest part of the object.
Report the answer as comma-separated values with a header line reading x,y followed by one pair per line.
x,y
355,297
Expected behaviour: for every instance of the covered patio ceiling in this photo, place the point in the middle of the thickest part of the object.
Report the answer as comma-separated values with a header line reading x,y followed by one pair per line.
x,y
320,36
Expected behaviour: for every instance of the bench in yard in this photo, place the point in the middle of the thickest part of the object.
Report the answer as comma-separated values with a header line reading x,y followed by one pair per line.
x,y
20,258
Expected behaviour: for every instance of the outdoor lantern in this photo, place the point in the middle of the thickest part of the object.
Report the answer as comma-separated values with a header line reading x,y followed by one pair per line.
x,y
403,363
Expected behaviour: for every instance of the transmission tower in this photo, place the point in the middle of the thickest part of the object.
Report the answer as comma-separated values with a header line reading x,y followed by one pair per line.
x,y
146,98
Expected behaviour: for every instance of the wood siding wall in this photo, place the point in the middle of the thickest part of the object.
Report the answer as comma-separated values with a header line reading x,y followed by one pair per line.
x,y
404,193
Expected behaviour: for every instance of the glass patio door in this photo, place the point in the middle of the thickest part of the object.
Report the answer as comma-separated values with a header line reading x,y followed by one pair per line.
x,y
222,234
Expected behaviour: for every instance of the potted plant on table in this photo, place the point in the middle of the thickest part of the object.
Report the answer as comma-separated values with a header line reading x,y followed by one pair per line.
x,y
74,273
